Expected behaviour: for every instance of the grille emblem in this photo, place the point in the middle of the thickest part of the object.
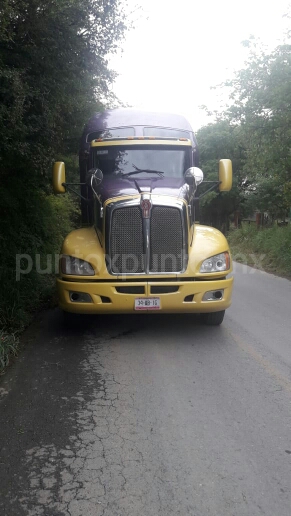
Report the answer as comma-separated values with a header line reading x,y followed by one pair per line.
x,y
146,208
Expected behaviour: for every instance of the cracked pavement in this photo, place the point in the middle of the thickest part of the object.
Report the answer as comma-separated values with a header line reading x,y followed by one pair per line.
x,y
149,416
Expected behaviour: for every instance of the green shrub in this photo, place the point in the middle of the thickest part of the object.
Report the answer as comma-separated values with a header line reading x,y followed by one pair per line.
x,y
34,223
273,242
8,347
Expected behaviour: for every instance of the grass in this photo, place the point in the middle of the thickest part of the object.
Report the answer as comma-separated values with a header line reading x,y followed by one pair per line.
x,y
268,248
9,343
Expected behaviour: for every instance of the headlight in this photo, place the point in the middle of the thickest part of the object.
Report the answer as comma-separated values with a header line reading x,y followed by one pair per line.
x,y
218,263
76,266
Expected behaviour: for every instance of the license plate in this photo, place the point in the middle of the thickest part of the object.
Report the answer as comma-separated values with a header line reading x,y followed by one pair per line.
x,y
147,303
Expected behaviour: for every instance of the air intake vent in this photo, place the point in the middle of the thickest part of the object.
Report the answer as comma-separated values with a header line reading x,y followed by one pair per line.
x,y
130,290
163,289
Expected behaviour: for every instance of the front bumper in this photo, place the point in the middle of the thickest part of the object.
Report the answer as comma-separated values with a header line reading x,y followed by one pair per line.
x,y
107,297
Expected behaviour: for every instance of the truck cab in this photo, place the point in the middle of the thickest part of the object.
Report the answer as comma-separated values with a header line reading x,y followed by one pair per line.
x,y
140,248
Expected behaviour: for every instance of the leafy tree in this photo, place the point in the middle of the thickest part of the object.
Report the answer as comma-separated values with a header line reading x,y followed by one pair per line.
x,y
53,74
217,141
255,132
262,109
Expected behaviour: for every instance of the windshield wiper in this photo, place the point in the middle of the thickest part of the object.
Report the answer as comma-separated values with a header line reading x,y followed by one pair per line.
x,y
140,170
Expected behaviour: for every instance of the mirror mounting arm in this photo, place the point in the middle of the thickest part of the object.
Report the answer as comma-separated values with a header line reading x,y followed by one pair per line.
x,y
192,192
216,183
69,187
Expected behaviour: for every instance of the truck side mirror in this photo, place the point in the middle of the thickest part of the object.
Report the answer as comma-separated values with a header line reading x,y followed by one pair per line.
x,y
193,176
225,175
59,177
94,177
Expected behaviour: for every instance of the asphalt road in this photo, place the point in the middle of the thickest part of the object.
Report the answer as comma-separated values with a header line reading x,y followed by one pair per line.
x,y
153,415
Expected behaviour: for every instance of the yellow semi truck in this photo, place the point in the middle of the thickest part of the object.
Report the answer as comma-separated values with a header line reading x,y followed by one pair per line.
x,y
140,249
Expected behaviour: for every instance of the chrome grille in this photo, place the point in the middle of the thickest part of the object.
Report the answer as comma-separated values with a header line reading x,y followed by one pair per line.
x,y
166,240
127,241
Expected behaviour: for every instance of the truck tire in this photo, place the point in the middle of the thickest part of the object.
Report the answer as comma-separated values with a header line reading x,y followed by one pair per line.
x,y
213,318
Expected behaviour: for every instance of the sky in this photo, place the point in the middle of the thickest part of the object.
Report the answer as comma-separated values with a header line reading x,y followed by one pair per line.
x,y
180,50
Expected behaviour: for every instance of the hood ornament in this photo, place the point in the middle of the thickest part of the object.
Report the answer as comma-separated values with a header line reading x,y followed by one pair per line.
x,y
146,206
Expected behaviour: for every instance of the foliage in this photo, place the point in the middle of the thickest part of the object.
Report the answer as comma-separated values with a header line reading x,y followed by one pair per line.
x,y
8,346
38,235
53,74
255,132
218,141
272,245
262,109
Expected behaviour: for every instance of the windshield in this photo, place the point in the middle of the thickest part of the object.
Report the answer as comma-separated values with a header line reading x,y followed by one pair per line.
x,y
141,160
